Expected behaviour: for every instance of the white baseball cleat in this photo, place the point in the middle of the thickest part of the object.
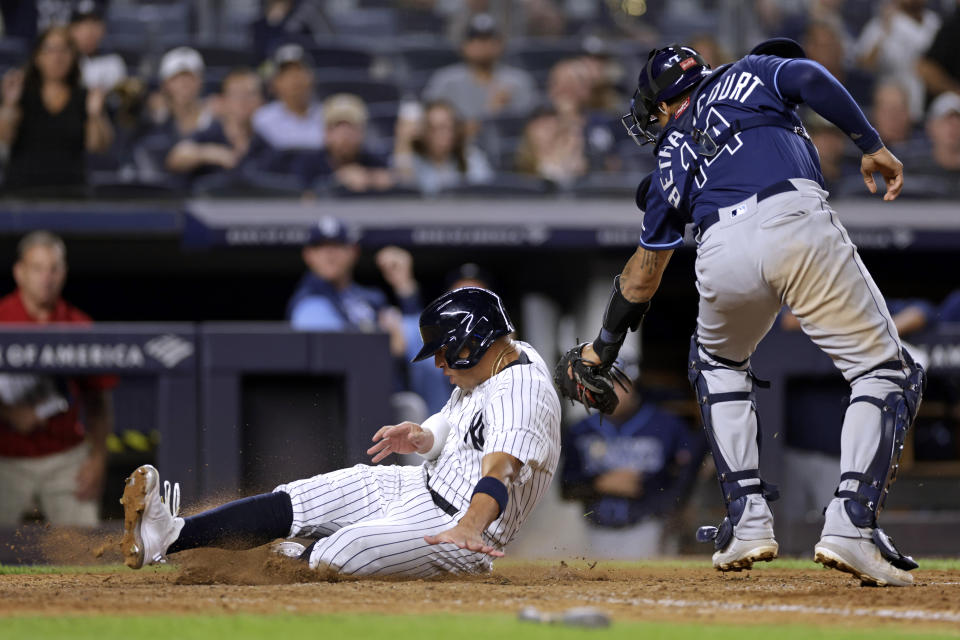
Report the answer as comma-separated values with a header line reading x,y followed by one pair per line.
x,y
860,557
741,554
150,523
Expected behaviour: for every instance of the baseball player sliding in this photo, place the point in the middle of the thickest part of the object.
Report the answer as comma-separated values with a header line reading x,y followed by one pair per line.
x,y
490,455
734,160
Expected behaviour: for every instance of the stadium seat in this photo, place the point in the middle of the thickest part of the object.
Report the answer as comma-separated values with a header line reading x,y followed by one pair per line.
x,y
369,23
504,185
372,91
607,185
346,57
135,191
248,184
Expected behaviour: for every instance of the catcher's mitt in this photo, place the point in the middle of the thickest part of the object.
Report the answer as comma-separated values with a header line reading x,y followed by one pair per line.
x,y
590,385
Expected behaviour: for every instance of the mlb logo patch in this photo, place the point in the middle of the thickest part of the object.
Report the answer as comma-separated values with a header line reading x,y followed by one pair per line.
x,y
687,63
741,209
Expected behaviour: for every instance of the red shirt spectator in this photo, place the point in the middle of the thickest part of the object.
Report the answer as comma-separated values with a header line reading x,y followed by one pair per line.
x,y
63,430
48,458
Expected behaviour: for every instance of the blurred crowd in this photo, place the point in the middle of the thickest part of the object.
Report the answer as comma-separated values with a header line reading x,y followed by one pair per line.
x,y
321,97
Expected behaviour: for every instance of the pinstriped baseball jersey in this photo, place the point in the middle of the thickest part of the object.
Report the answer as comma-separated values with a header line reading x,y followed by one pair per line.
x,y
516,411
375,517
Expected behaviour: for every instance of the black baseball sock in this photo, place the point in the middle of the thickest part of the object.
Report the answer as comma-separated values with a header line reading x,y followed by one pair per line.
x,y
241,524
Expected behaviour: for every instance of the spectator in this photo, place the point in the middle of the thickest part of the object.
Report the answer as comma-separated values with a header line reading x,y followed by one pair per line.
x,y
345,160
890,114
49,120
284,20
174,113
823,43
87,28
179,108
552,148
47,455
327,298
294,120
481,87
711,50
892,42
940,67
228,140
943,129
427,382
632,470
575,94
431,152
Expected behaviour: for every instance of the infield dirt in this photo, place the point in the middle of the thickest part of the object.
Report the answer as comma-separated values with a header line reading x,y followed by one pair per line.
x,y
215,581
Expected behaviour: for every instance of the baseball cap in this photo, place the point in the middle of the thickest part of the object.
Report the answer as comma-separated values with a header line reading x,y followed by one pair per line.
x,y
290,54
344,107
179,60
469,271
946,103
330,230
482,25
86,10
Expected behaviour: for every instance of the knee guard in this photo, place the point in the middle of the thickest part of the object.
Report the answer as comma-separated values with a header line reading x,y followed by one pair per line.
x,y
897,412
734,494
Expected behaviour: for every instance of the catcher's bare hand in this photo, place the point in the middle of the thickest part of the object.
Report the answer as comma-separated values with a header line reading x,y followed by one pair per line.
x,y
465,537
887,165
406,437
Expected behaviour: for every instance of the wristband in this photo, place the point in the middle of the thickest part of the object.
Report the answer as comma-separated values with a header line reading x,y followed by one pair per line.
x,y
620,316
440,428
495,489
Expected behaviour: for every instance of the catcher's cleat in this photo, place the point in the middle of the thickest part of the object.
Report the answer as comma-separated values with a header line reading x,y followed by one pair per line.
x,y
860,557
150,523
741,554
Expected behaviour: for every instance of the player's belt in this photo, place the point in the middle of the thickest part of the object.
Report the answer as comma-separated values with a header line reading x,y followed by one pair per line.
x,y
767,192
441,502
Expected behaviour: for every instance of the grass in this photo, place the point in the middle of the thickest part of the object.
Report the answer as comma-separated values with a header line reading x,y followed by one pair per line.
x,y
462,627
700,562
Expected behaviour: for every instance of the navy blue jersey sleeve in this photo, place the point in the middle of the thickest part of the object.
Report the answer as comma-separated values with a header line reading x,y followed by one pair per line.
x,y
662,228
799,80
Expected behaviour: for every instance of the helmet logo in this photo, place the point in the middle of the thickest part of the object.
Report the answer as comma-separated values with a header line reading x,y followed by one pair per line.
x,y
686,63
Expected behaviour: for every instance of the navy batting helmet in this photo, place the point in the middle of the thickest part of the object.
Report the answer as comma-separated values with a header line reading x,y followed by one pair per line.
x,y
667,74
471,318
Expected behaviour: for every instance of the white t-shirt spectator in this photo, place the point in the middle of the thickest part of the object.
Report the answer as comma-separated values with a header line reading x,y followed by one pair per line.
x,y
901,43
283,129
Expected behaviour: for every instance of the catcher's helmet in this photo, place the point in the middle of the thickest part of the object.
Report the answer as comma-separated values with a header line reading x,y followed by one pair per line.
x,y
667,74
470,318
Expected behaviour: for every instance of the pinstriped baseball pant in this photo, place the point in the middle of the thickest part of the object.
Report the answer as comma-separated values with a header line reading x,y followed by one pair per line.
x,y
374,519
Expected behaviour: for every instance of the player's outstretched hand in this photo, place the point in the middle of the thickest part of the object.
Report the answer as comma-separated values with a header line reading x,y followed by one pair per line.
x,y
466,538
406,437
887,165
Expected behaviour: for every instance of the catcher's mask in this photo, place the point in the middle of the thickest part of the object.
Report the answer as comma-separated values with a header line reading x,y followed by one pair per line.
x,y
471,318
667,74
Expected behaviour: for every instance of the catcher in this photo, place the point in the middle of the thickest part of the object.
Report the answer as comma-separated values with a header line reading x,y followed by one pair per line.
x,y
735,161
